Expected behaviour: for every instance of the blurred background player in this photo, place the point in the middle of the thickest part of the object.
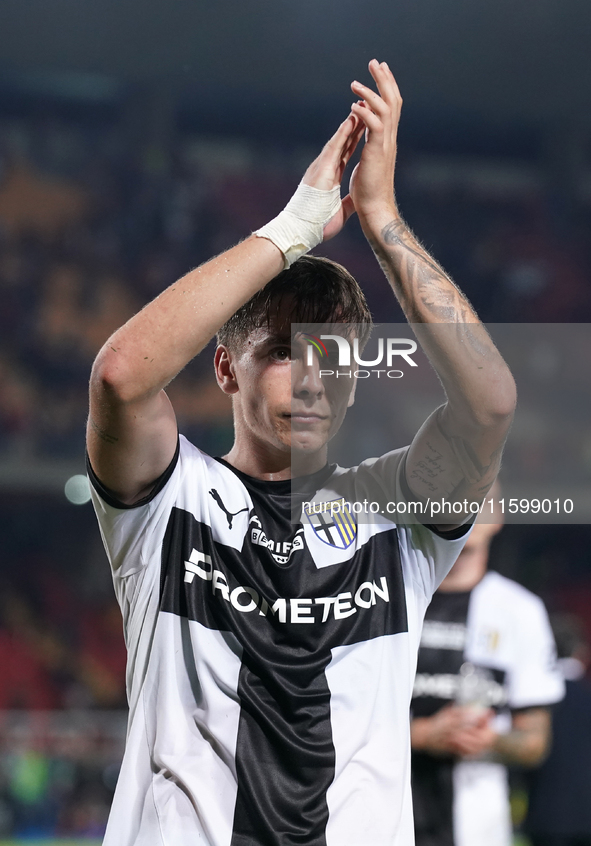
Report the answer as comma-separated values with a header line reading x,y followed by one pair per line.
x,y
559,812
486,677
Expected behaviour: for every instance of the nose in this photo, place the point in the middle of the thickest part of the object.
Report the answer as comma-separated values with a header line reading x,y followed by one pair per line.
x,y
306,380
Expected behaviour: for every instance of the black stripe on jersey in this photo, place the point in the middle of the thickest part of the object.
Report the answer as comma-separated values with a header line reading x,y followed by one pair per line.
x,y
285,757
446,608
437,669
432,777
432,799
438,665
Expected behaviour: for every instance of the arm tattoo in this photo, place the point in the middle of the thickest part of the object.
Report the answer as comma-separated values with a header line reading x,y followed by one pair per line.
x,y
420,284
527,743
451,463
103,435
457,472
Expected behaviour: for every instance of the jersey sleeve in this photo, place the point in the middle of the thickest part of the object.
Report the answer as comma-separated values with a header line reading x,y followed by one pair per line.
x,y
535,679
428,553
130,532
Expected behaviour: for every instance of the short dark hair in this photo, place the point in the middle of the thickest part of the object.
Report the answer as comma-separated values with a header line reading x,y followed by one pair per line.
x,y
320,290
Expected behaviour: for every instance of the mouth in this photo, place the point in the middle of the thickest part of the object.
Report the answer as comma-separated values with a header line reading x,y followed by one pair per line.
x,y
306,417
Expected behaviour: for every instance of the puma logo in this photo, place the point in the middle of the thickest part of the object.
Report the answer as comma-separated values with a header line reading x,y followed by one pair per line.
x,y
229,515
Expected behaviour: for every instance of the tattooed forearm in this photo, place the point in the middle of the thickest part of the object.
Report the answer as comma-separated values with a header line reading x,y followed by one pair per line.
x,y
527,743
456,455
426,293
397,234
103,435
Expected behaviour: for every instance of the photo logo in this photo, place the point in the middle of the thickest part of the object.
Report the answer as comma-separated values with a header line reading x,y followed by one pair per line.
x,y
389,350
315,344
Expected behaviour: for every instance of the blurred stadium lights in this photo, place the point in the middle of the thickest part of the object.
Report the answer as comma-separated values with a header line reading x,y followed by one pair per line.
x,y
64,85
77,489
37,475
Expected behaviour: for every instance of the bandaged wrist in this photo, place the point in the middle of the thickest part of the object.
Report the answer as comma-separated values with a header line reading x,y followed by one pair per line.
x,y
300,226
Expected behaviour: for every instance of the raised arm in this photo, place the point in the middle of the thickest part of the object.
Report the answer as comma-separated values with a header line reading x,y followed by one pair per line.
x,y
456,454
131,432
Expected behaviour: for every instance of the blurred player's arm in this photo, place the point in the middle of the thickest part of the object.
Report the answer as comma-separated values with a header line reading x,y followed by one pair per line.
x,y
454,730
457,452
529,739
131,431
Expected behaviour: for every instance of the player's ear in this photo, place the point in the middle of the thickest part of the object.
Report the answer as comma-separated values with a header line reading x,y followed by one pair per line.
x,y
224,370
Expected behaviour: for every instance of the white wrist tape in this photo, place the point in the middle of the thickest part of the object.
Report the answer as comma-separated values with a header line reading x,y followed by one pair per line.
x,y
299,227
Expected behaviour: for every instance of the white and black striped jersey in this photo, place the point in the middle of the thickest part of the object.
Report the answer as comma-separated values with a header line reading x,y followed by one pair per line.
x,y
270,662
490,647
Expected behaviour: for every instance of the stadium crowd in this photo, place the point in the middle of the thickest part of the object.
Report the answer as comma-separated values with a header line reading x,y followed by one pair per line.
x,y
91,229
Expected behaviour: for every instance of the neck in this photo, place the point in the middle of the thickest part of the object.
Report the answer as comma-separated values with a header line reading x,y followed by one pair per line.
x,y
273,465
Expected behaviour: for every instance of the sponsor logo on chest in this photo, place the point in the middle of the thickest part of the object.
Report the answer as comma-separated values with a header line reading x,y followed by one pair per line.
x,y
280,550
304,610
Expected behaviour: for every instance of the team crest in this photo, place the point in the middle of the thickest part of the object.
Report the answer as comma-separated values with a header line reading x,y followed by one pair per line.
x,y
333,522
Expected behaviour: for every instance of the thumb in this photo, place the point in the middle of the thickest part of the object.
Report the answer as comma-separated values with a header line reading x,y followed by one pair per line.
x,y
353,177
348,207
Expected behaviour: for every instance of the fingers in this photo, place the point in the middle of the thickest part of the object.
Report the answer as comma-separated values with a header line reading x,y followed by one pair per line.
x,y
354,139
373,100
326,171
483,720
348,207
370,119
349,146
336,152
473,740
373,114
373,110
388,96
385,81
358,131
338,142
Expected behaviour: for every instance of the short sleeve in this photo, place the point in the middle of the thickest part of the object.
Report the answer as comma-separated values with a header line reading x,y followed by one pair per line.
x,y
128,531
427,554
535,679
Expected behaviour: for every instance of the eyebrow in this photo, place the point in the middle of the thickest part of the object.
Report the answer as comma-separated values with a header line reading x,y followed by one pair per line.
x,y
277,338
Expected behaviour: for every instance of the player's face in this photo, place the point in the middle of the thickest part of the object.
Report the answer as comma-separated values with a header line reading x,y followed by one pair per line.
x,y
284,401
